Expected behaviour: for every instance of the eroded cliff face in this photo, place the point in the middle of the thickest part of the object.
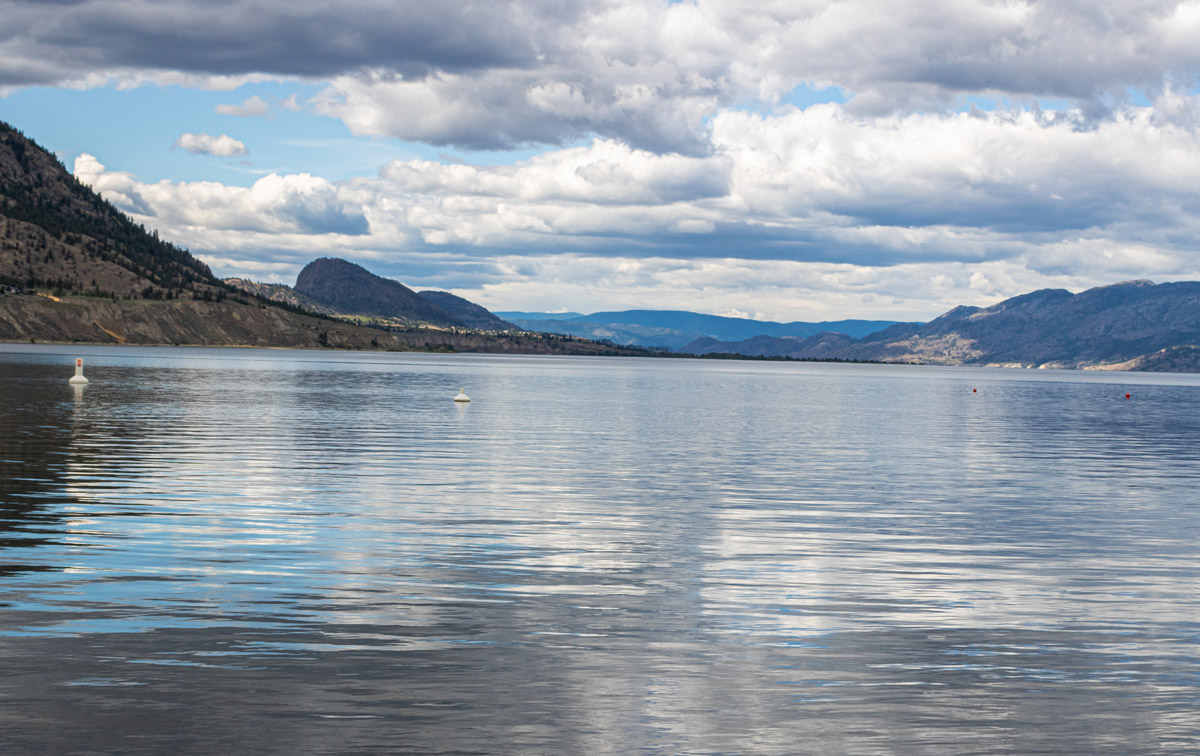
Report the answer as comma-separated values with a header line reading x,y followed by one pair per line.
x,y
228,323
166,322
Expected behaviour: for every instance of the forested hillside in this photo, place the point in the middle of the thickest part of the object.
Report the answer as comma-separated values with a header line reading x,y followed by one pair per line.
x,y
56,233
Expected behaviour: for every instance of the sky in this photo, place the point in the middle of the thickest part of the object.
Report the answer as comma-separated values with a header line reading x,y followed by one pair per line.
x,y
782,160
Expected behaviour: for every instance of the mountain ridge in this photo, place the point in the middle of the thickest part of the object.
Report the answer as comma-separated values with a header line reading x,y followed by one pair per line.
x,y
1138,324
674,329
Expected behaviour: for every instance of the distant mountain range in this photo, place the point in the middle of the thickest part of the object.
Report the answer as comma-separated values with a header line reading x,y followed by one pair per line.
x,y
675,329
343,289
1134,325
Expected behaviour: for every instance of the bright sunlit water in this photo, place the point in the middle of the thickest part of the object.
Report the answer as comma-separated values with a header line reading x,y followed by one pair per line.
x,y
244,551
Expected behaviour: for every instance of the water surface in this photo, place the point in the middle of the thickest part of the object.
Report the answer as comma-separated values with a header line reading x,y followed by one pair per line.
x,y
251,551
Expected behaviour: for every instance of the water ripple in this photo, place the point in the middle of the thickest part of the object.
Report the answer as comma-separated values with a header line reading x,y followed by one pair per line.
x,y
300,552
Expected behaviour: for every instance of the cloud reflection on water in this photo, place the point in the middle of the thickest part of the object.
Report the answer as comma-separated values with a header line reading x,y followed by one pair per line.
x,y
323,555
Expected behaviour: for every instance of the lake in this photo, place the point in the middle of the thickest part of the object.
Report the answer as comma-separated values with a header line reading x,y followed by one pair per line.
x,y
212,551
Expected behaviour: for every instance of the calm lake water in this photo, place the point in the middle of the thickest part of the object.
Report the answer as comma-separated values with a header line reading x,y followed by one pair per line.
x,y
245,551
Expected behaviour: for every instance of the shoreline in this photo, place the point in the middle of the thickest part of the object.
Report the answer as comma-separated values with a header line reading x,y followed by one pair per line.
x,y
1006,368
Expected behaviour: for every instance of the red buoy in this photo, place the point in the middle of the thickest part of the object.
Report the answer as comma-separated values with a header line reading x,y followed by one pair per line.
x,y
1128,396
974,391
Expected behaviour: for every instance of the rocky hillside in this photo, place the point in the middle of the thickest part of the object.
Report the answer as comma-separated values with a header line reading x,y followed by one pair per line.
x,y
229,323
1133,325
467,312
352,289
280,294
59,235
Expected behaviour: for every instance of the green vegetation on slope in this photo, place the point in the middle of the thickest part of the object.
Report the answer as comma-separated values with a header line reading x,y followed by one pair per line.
x,y
78,226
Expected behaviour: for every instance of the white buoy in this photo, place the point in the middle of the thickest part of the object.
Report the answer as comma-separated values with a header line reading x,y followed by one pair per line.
x,y
462,396
78,379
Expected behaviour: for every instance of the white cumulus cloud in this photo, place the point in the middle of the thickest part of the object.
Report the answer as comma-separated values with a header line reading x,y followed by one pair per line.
x,y
251,106
206,144
972,207
274,205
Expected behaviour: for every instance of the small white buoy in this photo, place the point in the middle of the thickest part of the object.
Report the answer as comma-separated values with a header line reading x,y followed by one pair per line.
x,y
78,379
462,396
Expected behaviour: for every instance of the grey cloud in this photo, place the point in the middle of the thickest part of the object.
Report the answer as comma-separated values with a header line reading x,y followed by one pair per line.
x,y
321,217
1089,53
441,271
818,186
490,75
498,109
294,38
1095,197
732,240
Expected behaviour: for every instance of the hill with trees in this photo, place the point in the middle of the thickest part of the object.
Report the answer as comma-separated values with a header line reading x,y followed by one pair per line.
x,y
56,233
74,268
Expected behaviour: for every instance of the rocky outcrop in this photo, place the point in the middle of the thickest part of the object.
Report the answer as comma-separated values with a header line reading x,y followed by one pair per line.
x,y
280,294
467,312
353,290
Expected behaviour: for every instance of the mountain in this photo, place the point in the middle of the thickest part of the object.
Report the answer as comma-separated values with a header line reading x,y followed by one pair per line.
x,y
353,290
328,280
674,329
1131,325
466,312
57,234
1055,328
